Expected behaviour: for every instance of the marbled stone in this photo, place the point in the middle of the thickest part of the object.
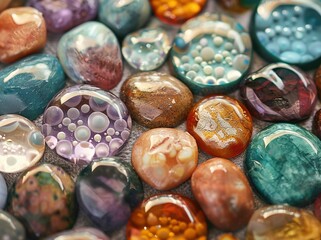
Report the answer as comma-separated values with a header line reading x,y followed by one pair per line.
x,y
167,215
62,15
4,4
22,32
21,144
90,54
124,17
165,157
221,125
10,227
43,199
211,54
84,122
156,99
238,5
283,223
27,86
279,92
317,207
3,192
85,233
107,192
146,49
283,164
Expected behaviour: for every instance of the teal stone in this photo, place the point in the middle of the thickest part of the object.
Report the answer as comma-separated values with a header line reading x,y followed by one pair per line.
x,y
283,163
27,86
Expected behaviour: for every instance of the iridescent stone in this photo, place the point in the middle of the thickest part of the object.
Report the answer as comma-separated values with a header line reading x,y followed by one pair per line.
x,y
317,207
283,223
3,192
62,15
288,31
283,164
165,217
107,191
26,87
4,4
84,122
43,199
146,49
211,54
21,144
10,228
238,5
165,157
156,99
22,32
224,193
221,125
124,17
90,54
279,92
86,233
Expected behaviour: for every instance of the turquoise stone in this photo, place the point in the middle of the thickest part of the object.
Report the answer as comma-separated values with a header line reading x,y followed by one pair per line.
x,y
283,164
3,192
11,228
27,86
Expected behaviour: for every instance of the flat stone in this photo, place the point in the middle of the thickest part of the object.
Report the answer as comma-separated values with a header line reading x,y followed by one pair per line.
x,y
3,192
10,227
85,233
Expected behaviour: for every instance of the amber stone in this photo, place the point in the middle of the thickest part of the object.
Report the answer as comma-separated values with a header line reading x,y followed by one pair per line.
x,y
167,217
156,99
222,126
226,236
22,32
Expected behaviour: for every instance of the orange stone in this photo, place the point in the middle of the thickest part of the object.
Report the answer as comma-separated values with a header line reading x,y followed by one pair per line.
x,y
22,32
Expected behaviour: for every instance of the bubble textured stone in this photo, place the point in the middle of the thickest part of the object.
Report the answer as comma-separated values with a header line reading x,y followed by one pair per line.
x,y
211,54
3,192
10,227
84,122
85,233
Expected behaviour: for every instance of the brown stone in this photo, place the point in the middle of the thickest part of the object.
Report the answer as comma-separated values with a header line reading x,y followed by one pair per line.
x,y
4,4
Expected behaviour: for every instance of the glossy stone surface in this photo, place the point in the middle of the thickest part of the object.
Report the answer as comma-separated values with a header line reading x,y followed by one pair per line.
x,y
84,122
288,31
211,54
283,223
316,124
156,99
165,157
10,227
224,193
90,54
22,32
317,207
283,164
27,86
21,143
146,49
86,233
124,17
4,4
221,125
177,11
238,5
279,92
226,236
62,15
164,216
3,192
317,80
43,199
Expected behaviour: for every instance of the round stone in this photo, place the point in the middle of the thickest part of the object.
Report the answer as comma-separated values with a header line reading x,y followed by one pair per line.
x,y
84,233
3,192
10,227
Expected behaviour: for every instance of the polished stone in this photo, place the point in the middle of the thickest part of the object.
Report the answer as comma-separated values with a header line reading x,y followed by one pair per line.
x,y
226,236
316,124
10,227
283,164
27,86
238,6
22,32
90,54
107,191
283,223
317,80
84,122
317,207
21,144
3,192
156,99
165,157
85,233
279,92
43,199
4,4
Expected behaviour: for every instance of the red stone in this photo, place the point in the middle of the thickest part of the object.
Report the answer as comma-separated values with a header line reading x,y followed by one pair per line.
x,y
317,208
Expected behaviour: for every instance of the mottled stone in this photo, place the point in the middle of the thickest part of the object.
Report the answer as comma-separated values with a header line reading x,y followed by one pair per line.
x,y
165,157
3,192
317,80
10,227
107,191
279,92
156,99
283,164
238,5
22,32
86,233
4,4
317,207
316,124
90,54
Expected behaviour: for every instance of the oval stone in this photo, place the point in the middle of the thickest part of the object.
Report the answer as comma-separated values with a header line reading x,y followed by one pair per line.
x,y
317,207
27,86
85,233
224,193
156,99
3,192
107,191
10,227
165,157
283,164
22,32
90,54
43,199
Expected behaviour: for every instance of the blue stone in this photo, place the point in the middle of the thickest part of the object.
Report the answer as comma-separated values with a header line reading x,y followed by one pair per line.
x,y
290,57
3,192
11,228
27,86
283,163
